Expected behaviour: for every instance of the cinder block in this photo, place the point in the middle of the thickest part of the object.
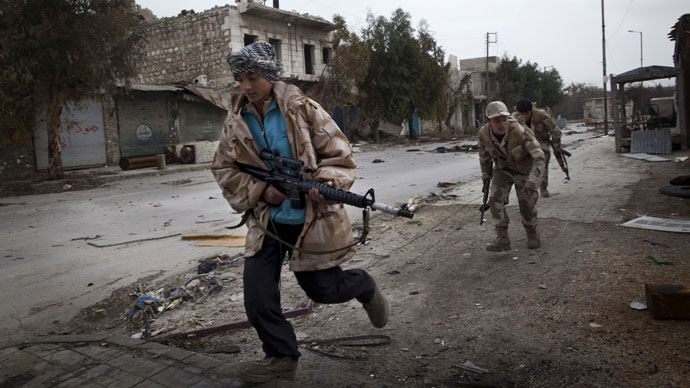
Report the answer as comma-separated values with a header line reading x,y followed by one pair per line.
x,y
667,301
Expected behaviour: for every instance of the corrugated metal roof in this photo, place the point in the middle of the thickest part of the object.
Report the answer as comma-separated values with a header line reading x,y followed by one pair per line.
x,y
156,88
656,141
221,98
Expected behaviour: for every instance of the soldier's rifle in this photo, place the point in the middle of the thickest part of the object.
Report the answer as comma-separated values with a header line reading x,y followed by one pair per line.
x,y
286,176
485,204
562,161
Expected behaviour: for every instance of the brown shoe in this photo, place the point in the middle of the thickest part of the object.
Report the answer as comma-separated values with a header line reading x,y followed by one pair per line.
x,y
533,240
502,242
268,369
377,309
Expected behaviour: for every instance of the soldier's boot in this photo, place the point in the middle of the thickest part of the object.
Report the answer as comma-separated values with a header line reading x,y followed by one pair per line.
x,y
533,241
502,242
544,193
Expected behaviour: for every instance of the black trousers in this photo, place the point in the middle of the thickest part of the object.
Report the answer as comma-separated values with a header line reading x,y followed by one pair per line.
x,y
262,290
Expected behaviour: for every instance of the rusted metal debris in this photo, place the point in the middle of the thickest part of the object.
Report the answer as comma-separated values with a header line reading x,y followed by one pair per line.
x,y
306,310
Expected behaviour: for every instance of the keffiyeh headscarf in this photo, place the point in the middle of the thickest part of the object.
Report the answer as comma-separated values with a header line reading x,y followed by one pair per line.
x,y
258,57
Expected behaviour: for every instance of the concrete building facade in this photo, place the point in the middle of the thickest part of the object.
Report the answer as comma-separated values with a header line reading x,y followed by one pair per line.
x,y
483,85
193,47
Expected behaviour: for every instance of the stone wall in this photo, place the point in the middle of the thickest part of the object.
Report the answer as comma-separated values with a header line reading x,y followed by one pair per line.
x,y
188,46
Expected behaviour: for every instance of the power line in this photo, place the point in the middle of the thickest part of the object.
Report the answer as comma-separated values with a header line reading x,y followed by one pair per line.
x,y
622,20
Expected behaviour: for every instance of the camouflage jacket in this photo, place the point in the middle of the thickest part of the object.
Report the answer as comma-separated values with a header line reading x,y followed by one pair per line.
x,y
518,153
544,128
319,143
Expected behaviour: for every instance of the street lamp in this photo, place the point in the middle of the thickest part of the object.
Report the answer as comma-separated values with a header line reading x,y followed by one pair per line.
x,y
639,32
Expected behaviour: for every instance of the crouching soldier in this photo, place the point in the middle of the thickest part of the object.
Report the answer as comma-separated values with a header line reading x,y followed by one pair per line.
x,y
545,130
517,160
270,114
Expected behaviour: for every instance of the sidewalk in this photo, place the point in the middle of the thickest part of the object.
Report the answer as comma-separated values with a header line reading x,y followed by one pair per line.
x,y
105,360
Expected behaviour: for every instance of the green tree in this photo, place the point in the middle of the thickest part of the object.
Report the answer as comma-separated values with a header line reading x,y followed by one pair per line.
x,y
517,81
339,81
392,80
431,98
58,51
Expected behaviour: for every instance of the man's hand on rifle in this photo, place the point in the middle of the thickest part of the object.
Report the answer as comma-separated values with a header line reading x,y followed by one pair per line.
x,y
317,197
558,149
273,195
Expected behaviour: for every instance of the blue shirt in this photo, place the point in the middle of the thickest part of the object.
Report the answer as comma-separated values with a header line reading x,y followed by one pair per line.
x,y
271,134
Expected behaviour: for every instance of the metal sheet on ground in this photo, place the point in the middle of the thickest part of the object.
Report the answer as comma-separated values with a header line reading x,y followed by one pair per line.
x,y
663,224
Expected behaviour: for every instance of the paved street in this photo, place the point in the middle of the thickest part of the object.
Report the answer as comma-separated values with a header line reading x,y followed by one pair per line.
x,y
46,277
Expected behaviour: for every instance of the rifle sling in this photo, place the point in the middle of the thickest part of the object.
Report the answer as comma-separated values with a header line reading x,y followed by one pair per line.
x,y
362,239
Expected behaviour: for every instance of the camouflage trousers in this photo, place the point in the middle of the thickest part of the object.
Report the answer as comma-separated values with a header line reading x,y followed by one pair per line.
x,y
545,178
501,184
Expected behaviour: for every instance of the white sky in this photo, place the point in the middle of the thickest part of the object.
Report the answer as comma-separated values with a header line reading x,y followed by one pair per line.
x,y
565,34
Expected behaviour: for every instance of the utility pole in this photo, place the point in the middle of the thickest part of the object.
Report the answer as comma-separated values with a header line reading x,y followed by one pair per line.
x,y
603,51
486,79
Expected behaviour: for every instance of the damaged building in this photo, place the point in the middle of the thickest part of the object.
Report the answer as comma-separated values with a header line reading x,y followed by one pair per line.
x,y
175,105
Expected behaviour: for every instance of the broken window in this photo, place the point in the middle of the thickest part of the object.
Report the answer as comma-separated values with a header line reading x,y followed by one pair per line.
x,y
326,52
309,59
276,46
249,39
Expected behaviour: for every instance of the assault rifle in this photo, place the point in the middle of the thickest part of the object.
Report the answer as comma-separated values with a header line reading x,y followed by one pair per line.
x,y
485,206
286,177
562,161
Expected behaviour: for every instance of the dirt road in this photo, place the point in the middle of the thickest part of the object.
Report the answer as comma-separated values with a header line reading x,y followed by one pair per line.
x,y
557,316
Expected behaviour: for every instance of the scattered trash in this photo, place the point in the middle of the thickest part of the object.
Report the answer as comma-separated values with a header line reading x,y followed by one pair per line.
x,y
133,241
209,265
654,243
543,286
468,365
660,261
413,150
663,224
646,157
445,184
515,258
680,159
100,313
216,240
377,161
457,148
404,349
66,187
478,305
89,237
236,297
89,285
594,325
638,306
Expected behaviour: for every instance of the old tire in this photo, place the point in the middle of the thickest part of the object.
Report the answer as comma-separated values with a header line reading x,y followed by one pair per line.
x,y
676,191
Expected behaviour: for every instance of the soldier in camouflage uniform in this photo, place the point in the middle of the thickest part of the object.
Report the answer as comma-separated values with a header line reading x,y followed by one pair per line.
x,y
517,160
545,130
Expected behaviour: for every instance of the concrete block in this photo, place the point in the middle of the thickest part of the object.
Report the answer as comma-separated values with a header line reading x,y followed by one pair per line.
x,y
667,301
174,377
178,354
65,358
203,361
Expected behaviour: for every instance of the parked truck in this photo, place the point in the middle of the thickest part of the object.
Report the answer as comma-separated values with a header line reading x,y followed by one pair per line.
x,y
663,114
